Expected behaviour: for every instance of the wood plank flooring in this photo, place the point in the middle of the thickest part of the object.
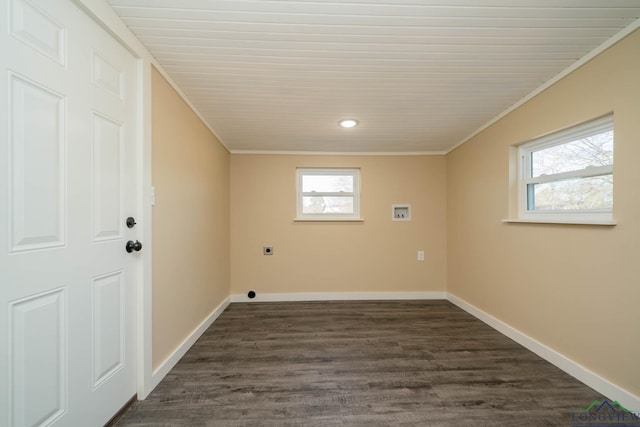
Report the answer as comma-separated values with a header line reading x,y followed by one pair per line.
x,y
382,363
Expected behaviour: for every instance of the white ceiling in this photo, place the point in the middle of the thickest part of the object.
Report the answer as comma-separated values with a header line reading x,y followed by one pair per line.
x,y
419,75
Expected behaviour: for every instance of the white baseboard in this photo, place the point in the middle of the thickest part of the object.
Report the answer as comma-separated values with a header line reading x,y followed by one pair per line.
x,y
593,380
339,296
182,349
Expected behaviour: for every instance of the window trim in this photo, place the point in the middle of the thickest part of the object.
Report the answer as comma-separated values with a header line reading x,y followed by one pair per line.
x,y
354,172
524,151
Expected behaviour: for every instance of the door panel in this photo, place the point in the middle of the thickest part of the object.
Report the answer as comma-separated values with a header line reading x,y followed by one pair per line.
x,y
36,165
108,326
67,300
108,178
36,29
108,76
37,364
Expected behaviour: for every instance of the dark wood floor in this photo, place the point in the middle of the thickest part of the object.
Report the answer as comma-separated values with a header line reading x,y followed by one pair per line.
x,y
409,363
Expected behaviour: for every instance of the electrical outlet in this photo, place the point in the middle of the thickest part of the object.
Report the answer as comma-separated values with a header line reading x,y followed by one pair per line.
x,y
420,255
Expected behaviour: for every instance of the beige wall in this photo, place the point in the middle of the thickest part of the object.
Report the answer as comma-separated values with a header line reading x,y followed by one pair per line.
x,y
574,288
190,173
377,255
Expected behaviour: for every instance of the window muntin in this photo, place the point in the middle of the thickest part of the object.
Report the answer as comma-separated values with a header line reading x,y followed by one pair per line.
x,y
569,173
328,194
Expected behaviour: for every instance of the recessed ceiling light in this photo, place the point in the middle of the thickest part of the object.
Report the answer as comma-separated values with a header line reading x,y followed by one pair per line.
x,y
348,123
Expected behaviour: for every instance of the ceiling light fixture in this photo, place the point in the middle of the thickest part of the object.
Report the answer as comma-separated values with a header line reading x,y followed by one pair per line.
x,y
348,123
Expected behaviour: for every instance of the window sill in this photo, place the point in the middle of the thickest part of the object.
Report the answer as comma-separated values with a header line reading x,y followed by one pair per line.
x,y
327,220
561,221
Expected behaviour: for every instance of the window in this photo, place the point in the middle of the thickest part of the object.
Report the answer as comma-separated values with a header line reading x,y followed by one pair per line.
x,y
568,175
328,194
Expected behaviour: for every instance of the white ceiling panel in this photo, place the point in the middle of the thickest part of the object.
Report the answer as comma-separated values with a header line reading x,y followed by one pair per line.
x,y
419,76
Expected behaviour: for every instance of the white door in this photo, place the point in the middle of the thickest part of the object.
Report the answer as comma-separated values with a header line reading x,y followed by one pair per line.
x,y
67,185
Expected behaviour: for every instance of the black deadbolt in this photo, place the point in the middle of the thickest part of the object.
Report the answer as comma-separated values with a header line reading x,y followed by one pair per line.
x,y
131,221
133,246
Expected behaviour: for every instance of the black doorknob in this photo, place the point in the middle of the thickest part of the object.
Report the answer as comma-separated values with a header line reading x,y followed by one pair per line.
x,y
133,246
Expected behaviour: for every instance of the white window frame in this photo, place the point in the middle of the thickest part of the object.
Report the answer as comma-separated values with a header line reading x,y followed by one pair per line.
x,y
355,173
580,216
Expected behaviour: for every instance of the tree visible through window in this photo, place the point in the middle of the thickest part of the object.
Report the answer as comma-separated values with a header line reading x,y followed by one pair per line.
x,y
570,171
328,194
